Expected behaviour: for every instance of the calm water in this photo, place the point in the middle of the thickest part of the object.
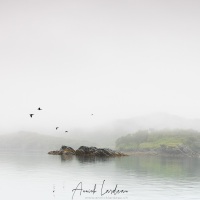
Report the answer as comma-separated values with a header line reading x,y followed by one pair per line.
x,y
34,176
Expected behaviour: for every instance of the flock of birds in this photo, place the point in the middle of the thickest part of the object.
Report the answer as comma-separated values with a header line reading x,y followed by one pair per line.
x,y
31,115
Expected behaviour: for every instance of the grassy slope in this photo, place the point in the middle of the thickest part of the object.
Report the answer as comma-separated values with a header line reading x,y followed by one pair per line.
x,y
145,140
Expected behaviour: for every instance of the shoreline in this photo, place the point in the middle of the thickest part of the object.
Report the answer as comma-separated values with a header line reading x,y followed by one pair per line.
x,y
148,153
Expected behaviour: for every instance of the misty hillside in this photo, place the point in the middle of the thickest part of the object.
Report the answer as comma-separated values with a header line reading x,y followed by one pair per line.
x,y
109,133
104,136
34,141
187,140
156,121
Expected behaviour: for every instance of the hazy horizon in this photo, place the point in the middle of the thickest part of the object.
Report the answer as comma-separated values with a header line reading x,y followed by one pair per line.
x,y
157,121
113,59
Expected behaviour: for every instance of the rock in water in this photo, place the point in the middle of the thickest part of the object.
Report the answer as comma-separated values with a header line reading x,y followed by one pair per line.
x,y
87,151
67,149
64,150
93,151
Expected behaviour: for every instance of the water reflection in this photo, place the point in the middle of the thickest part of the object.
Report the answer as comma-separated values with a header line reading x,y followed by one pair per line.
x,y
65,158
184,168
160,166
84,159
92,159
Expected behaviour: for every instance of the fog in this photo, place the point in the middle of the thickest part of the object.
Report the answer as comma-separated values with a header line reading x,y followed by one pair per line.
x,y
100,136
115,59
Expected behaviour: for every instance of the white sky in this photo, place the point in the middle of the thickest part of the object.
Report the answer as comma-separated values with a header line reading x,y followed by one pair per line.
x,y
114,58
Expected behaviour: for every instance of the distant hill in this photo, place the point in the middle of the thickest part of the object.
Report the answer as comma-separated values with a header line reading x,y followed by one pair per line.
x,y
37,142
102,136
157,121
174,142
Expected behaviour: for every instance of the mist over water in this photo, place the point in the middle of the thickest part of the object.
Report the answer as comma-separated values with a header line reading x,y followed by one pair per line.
x,y
99,136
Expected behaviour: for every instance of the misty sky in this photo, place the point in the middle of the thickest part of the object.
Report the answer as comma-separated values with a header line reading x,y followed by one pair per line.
x,y
114,58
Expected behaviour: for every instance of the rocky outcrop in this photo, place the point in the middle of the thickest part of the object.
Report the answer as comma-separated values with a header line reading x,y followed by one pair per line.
x,y
87,151
64,150
180,150
93,151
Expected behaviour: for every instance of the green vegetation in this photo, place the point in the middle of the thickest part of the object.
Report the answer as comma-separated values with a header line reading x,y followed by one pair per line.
x,y
150,140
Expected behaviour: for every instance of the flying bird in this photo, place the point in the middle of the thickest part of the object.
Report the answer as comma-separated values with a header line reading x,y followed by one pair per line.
x,y
57,128
39,108
31,115
66,131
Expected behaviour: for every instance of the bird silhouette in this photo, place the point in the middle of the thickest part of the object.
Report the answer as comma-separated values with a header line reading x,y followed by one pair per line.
x,y
31,115
66,131
92,114
57,128
39,108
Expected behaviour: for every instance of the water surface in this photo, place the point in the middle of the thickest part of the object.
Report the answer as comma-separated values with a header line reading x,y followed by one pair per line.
x,y
33,175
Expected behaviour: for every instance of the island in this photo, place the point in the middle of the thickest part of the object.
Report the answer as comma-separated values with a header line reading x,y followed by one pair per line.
x,y
87,151
176,143
173,143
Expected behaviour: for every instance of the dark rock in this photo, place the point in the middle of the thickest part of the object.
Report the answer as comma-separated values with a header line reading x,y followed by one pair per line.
x,y
55,152
64,150
87,151
93,151
83,150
